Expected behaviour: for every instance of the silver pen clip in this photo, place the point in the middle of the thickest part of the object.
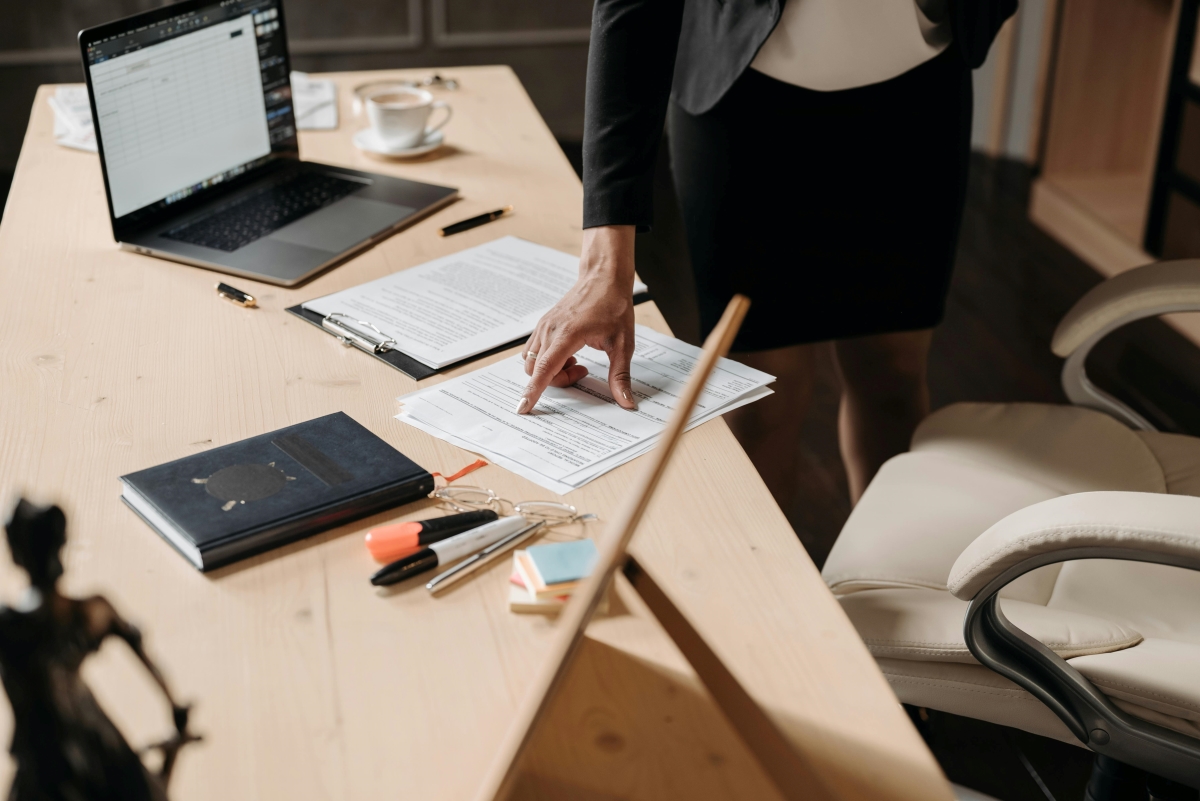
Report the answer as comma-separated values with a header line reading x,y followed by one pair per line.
x,y
472,563
348,336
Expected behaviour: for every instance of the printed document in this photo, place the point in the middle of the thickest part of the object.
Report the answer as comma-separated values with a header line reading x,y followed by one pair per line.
x,y
579,432
458,306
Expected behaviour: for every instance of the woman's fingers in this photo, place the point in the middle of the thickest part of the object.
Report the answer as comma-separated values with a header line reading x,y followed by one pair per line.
x,y
570,373
550,362
618,372
532,346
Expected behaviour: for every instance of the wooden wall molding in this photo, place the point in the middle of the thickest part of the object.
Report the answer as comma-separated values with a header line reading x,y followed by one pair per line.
x,y
366,44
443,37
39,56
413,40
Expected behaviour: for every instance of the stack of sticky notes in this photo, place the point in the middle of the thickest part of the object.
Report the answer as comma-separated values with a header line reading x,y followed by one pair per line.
x,y
544,576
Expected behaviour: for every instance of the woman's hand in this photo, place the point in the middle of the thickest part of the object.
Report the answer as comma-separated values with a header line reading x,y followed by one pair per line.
x,y
598,311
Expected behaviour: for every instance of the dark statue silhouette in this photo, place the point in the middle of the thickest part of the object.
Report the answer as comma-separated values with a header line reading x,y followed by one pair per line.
x,y
65,747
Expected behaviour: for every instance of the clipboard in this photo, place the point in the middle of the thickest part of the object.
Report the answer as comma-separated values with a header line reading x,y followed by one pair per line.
x,y
381,348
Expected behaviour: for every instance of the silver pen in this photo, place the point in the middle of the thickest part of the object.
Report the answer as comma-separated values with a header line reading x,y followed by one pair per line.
x,y
472,563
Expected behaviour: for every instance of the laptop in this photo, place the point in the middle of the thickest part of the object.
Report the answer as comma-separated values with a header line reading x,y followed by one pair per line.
x,y
197,136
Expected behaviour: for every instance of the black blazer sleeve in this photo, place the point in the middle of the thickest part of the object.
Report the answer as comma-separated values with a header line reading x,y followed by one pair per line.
x,y
630,66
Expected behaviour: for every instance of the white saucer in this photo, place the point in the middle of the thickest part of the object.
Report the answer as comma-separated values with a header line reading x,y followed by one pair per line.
x,y
368,140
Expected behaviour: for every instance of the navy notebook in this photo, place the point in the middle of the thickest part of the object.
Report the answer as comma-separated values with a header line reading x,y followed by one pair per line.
x,y
241,499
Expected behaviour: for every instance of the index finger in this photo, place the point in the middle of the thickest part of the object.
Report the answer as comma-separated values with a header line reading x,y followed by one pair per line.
x,y
550,361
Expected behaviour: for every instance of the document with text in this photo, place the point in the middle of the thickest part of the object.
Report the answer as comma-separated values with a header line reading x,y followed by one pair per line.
x,y
577,433
460,305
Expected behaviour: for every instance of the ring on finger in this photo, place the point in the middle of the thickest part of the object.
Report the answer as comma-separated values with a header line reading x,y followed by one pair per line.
x,y
531,354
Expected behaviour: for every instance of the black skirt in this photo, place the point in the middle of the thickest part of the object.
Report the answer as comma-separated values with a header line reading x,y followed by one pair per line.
x,y
837,213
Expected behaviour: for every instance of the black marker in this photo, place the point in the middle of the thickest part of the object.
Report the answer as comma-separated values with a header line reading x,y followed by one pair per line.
x,y
389,543
440,553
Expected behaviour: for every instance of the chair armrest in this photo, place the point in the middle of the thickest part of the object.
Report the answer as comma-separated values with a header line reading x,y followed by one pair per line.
x,y
1140,525
1163,288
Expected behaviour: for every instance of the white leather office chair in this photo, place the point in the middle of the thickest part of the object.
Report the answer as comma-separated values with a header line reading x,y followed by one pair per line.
x,y
1036,565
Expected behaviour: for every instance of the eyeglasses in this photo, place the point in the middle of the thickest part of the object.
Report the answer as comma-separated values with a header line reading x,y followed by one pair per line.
x,y
548,513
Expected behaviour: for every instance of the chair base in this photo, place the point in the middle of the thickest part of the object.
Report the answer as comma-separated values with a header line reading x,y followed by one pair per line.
x,y
1115,781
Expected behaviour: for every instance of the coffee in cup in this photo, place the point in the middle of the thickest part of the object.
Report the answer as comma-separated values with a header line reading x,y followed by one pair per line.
x,y
399,116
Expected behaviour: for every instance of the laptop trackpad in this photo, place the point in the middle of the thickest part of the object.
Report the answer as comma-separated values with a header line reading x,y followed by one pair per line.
x,y
342,225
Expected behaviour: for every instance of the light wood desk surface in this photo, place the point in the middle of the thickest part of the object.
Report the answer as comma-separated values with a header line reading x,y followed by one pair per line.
x,y
308,682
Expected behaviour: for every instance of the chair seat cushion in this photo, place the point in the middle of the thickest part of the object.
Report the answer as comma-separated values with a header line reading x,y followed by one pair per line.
x,y
1159,601
1179,458
927,625
971,465
917,516
1163,675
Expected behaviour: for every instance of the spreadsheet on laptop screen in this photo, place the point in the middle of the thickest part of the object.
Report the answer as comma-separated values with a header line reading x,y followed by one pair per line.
x,y
182,114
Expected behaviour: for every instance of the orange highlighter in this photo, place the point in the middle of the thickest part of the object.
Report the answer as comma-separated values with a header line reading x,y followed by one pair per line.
x,y
389,543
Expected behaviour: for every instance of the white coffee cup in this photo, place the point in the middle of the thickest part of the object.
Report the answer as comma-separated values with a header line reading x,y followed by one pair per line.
x,y
399,116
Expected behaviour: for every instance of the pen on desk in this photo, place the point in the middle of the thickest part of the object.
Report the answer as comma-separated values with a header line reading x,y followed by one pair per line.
x,y
456,547
236,295
389,543
474,222
464,568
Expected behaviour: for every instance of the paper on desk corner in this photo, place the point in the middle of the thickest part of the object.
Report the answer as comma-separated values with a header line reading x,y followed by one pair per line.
x,y
577,433
314,103
73,118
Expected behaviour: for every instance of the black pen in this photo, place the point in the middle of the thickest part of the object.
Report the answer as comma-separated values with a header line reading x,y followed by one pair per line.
x,y
474,222
236,295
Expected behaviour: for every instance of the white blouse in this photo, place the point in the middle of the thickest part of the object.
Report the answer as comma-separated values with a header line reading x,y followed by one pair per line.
x,y
829,45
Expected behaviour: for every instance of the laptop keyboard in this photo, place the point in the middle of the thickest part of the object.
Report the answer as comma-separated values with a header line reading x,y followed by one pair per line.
x,y
269,209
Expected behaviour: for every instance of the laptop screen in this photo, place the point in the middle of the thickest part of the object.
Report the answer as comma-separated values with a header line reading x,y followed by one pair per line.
x,y
190,101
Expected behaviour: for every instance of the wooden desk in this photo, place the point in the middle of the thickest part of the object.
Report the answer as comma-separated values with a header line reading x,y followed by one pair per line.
x,y
309,683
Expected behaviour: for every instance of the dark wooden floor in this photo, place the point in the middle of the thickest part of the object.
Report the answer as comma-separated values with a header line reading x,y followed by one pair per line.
x,y
1011,286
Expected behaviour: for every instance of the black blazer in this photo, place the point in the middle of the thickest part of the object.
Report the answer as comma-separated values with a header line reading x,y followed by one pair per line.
x,y
646,51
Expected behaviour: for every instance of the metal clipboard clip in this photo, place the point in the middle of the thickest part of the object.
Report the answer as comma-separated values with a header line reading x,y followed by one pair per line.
x,y
348,336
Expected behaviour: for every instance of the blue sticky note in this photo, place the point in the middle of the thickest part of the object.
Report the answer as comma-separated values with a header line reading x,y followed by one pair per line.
x,y
558,562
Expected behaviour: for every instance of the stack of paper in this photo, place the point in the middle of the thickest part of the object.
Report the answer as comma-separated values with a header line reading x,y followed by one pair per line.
x,y
578,433
461,305
73,118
